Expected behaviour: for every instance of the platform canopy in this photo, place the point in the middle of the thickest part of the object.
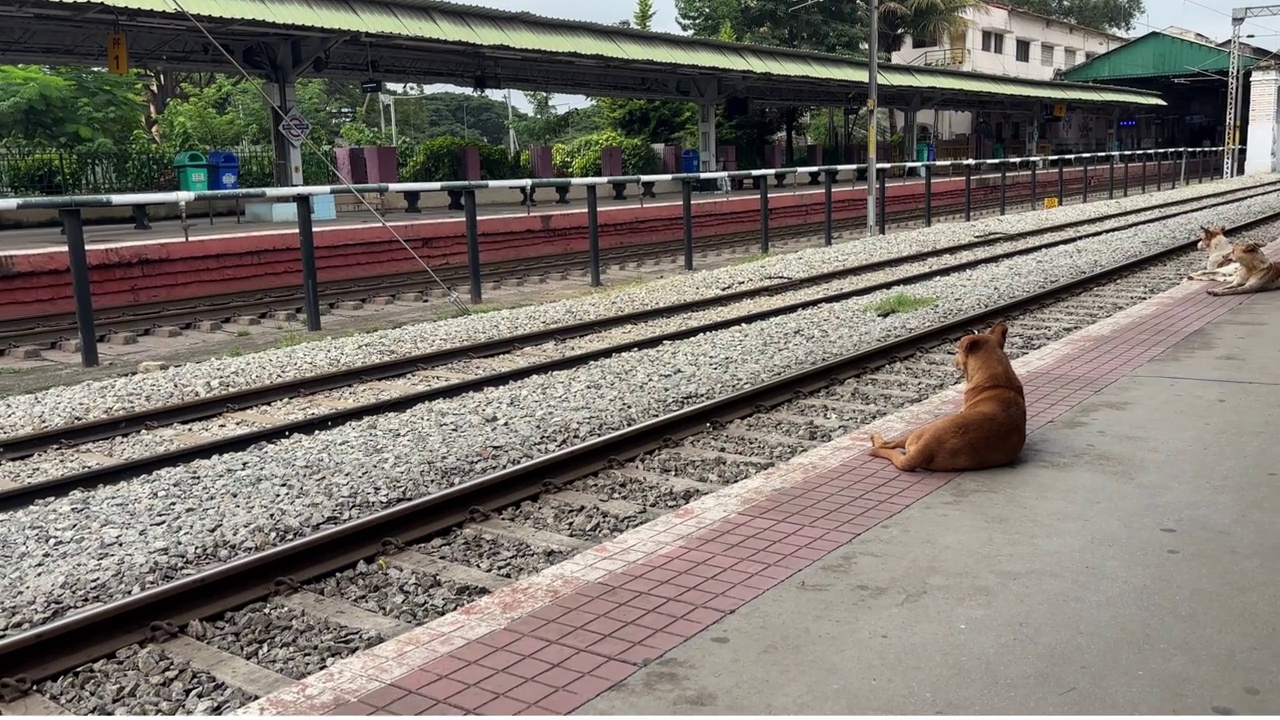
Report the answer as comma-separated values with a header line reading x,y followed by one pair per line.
x,y
1157,55
429,41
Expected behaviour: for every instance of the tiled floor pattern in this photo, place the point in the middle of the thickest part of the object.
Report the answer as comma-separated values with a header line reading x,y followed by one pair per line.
x,y
548,644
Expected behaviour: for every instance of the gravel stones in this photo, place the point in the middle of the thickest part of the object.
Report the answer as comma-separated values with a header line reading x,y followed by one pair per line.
x,y
282,638
63,405
585,522
777,449
142,681
613,485
405,595
718,470
503,557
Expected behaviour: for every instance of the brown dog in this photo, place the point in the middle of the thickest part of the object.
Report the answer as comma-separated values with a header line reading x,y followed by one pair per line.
x,y
1257,272
991,428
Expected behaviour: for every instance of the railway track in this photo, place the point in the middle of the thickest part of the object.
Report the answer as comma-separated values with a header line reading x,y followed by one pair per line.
x,y
321,402
286,304
482,534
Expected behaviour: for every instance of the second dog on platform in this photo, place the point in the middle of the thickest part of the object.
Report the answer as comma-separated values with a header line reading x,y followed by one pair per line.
x,y
1257,273
991,427
1218,266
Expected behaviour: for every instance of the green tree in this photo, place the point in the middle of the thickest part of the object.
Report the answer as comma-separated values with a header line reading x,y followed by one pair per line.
x,y
1105,15
654,121
933,19
68,107
831,26
464,115
543,125
644,14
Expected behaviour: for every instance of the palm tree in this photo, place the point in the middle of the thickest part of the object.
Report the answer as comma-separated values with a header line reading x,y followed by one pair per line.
x,y
931,19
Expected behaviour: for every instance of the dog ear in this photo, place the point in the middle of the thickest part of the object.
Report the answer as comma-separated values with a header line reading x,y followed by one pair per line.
x,y
999,331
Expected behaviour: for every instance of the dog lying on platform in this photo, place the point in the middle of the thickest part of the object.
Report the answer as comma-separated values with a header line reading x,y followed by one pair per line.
x,y
991,428
1257,273
1218,266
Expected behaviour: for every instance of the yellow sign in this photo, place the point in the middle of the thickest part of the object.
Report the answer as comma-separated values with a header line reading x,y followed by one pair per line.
x,y
117,54
1059,110
1050,203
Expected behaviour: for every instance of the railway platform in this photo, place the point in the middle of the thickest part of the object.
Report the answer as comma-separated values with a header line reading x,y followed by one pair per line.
x,y
163,266
1124,566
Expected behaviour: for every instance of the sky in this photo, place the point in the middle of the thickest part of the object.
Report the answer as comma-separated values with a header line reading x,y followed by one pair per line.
x,y
1209,17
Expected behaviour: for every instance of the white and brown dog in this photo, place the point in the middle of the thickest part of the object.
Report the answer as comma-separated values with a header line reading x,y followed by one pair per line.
x,y
1257,273
1219,266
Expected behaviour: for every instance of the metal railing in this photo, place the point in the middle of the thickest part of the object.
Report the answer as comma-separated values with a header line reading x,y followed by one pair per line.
x,y
1088,166
942,57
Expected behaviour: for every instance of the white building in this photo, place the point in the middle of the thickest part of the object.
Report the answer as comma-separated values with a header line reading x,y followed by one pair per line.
x,y
1001,40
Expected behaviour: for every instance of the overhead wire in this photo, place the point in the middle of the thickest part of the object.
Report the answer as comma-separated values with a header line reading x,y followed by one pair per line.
x,y
449,292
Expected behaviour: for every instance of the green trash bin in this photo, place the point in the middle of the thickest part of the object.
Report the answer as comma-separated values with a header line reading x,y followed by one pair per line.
x,y
192,169
922,155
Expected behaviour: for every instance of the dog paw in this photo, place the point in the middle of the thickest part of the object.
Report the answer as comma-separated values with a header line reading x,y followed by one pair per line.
x,y
1213,291
876,440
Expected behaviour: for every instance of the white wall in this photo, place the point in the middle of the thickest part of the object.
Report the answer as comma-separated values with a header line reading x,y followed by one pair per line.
x,y
1042,34
1259,154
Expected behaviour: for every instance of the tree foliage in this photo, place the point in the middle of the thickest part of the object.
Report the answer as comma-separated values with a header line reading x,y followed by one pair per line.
x,y
832,26
934,19
1106,15
68,107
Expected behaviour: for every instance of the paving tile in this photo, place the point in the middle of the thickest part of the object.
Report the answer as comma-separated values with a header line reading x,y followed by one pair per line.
x,y
503,706
411,705
532,692
353,708
472,699
501,683
383,696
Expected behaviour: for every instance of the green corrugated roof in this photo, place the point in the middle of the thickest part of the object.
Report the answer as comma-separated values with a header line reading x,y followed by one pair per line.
x,y
453,23
1156,54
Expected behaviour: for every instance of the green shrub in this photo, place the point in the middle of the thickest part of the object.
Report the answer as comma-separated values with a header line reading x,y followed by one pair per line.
x,y
439,160
581,158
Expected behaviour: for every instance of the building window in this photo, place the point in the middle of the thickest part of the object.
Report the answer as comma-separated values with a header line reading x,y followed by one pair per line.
x,y
1089,56
918,43
992,42
1022,52
1046,55
1068,57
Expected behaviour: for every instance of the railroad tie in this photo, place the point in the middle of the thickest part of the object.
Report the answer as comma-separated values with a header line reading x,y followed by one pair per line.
x,y
427,565
620,508
554,541
344,613
33,703
230,669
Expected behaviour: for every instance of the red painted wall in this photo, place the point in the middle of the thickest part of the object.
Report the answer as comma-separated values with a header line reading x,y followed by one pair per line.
x,y
39,284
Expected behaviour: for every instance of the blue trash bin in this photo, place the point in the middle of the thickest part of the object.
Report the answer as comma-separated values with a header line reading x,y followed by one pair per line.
x,y
689,161
224,170
933,153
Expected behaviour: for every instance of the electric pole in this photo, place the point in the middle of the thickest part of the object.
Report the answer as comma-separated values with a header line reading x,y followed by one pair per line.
x,y
873,125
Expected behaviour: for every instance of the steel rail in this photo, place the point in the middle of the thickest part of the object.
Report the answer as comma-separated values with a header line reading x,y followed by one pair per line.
x,y
22,446
36,329
83,637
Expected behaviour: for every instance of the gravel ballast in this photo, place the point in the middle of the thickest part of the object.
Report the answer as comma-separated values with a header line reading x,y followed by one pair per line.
x,y
142,681
193,516
103,398
283,639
